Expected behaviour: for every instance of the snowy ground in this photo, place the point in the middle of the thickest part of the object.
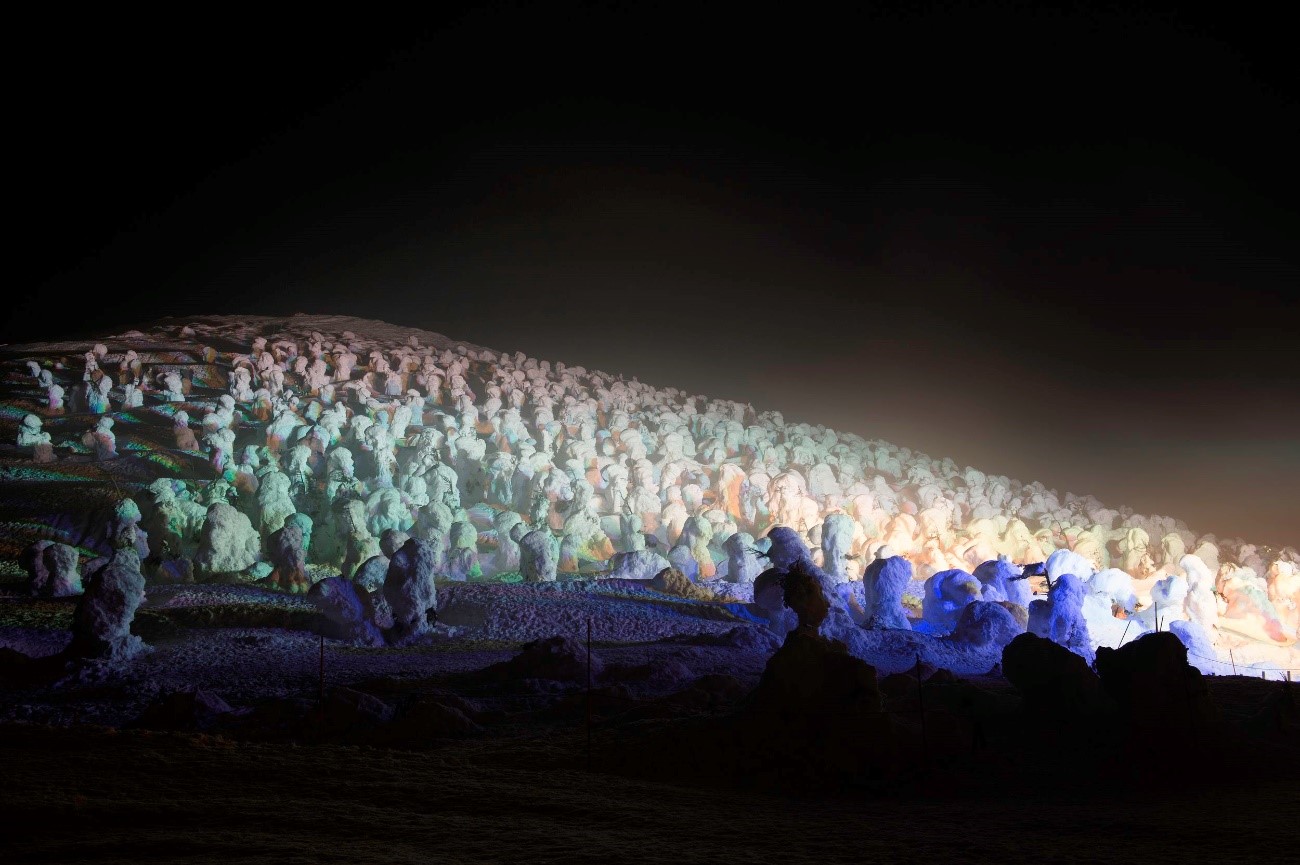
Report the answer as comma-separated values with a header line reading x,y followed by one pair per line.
x,y
247,643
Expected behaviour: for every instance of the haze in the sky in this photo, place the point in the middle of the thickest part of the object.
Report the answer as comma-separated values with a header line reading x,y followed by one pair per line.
x,y
1057,247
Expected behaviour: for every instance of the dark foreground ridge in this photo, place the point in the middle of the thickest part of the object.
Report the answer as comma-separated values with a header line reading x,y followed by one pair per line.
x,y
820,763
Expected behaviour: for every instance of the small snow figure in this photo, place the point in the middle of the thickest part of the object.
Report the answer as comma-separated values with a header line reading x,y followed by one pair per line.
x,y
836,544
173,387
129,368
102,439
401,420
743,563
463,562
131,396
506,559
97,394
359,543
695,537
54,398
220,443
1068,562
182,434
52,570
31,436
241,381
274,504
1201,605
415,403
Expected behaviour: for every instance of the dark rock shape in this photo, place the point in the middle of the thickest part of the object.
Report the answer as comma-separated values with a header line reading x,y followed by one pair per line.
x,y
813,676
1052,680
815,717
898,685
1155,687
710,693
184,710
804,595
433,718
749,638
557,658
346,710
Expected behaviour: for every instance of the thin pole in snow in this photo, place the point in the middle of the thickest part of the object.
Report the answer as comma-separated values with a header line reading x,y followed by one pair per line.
x,y
920,701
588,694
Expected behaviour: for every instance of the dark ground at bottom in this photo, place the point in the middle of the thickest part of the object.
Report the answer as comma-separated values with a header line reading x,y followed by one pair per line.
x,y
103,796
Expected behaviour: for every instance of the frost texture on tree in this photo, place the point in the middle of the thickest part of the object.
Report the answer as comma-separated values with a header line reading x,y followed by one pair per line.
x,y
539,556
946,594
101,623
52,570
348,611
410,591
229,543
885,581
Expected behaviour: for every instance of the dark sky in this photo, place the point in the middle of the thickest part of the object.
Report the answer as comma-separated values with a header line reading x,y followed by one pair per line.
x,y
1059,245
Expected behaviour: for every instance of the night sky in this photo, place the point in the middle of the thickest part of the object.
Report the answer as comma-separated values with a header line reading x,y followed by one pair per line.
x,y
1055,245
